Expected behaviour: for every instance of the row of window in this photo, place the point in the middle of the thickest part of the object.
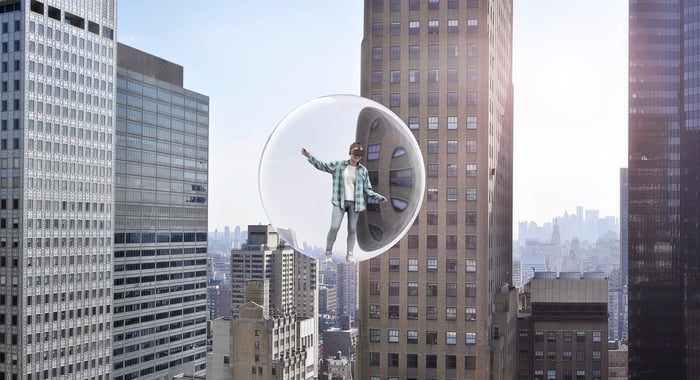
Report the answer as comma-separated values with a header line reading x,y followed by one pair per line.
x,y
158,264
157,329
62,316
71,113
566,336
49,205
414,27
566,356
414,5
567,375
160,252
68,19
158,303
452,123
433,98
414,51
58,92
431,337
152,291
412,361
57,54
162,315
451,170
67,278
67,260
450,194
65,131
70,368
433,76
162,95
147,372
159,277
375,264
431,312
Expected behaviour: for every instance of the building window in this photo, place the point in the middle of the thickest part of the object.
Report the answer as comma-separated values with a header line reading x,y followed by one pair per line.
x,y
452,75
471,122
433,4
394,312
374,335
431,241
451,194
377,29
432,265
471,193
393,288
378,6
374,311
432,122
431,337
595,356
392,359
374,288
395,5
412,336
470,287
597,336
552,356
470,313
413,99
430,361
377,53
453,26
431,289
551,336
471,146
566,356
470,362
413,27
395,77
471,74
395,28
393,336
412,313
472,25
451,241
433,51
433,26
377,77
412,241
539,355
395,99
452,99
471,98
452,122
450,338
413,122
472,3
470,218
580,337
433,215
471,170
566,336
451,314
413,51
412,289
431,312
470,265
411,360
394,264
472,50
413,265
395,52
374,359
451,170
452,147
433,77
432,194
432,146
470,337
413,76
452,50
375,265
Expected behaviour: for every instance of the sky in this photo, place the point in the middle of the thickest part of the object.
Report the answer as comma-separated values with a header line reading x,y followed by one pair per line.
x,y
259,60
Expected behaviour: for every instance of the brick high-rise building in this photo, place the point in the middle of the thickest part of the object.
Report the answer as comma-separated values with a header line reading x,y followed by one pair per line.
x,y
440,303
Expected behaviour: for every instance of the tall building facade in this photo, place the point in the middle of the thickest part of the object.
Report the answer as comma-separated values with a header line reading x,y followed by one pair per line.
x,y
346,287
664,141
56,161
440,303
160,212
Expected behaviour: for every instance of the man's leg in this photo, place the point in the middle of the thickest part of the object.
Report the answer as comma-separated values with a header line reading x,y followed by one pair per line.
x,y
336,219
352,229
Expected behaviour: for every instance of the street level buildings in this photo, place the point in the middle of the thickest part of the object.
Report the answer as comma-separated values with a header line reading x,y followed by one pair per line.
x,y
664,196
440,304
56,179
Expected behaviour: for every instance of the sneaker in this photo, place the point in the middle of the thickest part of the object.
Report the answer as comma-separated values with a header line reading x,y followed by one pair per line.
x,y
349,258
329,256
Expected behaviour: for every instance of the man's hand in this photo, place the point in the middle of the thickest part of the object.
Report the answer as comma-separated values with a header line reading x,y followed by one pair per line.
x,y
384,200
304,152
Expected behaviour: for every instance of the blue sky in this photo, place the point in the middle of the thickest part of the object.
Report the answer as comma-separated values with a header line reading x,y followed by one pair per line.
x,y
259,60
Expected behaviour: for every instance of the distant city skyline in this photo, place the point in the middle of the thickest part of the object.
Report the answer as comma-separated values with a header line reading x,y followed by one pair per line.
x,y
570,130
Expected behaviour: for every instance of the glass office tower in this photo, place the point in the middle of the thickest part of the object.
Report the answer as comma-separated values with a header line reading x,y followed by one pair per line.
x,y
160,232
664,185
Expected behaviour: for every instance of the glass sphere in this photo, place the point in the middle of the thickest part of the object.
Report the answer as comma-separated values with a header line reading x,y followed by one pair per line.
x,y
297,197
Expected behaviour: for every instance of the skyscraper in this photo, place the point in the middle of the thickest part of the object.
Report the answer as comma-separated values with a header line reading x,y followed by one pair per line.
x,y
445,68
664,197
56,138
160,213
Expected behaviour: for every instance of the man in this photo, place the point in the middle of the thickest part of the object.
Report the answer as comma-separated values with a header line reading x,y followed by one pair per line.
x,y
350,184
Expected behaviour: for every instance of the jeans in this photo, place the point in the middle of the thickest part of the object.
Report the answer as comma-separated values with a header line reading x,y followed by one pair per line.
x,y
336,219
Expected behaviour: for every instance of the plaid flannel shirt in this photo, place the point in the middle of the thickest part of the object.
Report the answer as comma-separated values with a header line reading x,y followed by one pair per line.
x,y
362,182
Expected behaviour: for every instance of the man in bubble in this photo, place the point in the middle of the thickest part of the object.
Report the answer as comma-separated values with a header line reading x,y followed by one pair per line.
x,y
350,181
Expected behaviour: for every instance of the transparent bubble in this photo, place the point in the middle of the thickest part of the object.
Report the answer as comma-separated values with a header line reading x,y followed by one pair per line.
x,y
297,197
